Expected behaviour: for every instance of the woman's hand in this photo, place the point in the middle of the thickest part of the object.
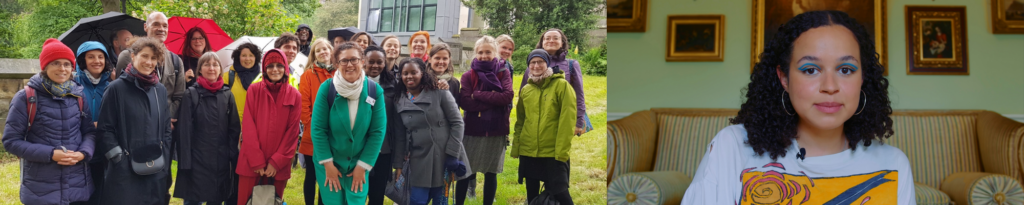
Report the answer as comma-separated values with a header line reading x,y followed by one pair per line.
x,y
63,158
271,171
579,131
398,173
259,171
189,75
441,84
332,175
358,178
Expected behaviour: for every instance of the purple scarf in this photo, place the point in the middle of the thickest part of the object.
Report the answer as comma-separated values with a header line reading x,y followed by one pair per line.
x,y
486,73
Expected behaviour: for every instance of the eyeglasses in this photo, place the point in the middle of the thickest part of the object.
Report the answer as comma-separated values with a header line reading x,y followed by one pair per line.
x,y
350,61
198,39
62,65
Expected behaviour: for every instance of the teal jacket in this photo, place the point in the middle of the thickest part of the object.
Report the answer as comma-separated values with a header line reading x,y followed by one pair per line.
x,y
333,137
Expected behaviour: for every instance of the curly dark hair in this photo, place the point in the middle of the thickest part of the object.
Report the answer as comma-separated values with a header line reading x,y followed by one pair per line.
x,y
255,50
565,41
427,82
770,129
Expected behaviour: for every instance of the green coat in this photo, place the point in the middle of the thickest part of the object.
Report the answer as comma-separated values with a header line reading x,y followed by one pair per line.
x,y
546,116
333,138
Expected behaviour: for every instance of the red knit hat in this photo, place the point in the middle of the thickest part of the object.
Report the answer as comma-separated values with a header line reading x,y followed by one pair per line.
x,y
275,56
53,49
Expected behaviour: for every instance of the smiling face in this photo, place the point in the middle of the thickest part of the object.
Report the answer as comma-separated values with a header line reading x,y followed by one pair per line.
x,y
506,49
351,64
419,45
439,62
824,79
537,67
484,52
95,61
363,41
247,58
145,60
210,70
411,76
552,42
303,35
392,48
156,27
374,63
198,42
323,53
275,72
290,50
59,71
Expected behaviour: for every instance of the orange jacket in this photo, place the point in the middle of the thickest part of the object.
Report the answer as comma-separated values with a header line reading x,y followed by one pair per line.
x,y
309,84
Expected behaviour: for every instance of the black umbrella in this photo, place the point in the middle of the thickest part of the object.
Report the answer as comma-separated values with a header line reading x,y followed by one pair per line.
x,y
344,32
101,28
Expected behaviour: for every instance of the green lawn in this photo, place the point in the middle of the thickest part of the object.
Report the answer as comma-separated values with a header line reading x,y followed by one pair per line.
x,y
587,182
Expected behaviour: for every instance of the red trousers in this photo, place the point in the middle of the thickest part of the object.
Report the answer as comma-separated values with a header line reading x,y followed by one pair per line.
x,y
245,185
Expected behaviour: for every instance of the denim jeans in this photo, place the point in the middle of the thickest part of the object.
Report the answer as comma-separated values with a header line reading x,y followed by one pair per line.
x,y
422,195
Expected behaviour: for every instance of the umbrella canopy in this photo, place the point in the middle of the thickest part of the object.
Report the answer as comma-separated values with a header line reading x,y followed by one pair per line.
x,y
345,32
177,26
265,44
101,29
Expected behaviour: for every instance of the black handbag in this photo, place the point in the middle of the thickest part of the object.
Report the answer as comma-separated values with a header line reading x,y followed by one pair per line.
x,y
398,189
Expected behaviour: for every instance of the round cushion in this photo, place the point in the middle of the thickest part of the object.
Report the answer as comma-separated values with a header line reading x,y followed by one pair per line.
x,y
996,189
648,188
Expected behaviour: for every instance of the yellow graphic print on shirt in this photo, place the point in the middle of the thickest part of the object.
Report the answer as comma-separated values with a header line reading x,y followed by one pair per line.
x,y
772,187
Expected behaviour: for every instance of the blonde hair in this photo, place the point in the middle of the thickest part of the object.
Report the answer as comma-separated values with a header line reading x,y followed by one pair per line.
x,y
485,40
311,62
505,37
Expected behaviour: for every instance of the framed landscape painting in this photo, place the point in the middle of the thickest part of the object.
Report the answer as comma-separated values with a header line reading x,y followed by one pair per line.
x,y
695,38
769,15
627,15
1008,16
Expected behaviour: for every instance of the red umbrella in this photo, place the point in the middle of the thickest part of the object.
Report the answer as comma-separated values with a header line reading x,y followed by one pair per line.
x,y
177,26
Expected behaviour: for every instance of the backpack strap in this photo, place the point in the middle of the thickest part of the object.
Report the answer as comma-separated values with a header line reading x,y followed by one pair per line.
x,y
231,78
331,94
373,91
194,95
31,100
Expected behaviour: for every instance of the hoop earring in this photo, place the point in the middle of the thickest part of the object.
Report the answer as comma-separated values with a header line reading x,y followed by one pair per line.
x,y
863,104
783,98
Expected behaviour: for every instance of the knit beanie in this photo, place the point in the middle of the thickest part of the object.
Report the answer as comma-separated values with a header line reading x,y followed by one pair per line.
x,y
539,53
53,49
275,56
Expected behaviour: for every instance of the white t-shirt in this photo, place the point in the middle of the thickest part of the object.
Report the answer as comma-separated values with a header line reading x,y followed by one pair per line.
x,y
731,173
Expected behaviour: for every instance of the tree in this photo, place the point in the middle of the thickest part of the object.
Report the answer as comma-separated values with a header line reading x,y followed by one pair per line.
x,y
333,15
237,18
111,5
48,19
575,17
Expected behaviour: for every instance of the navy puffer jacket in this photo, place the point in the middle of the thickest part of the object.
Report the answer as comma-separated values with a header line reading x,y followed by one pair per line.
x,y
58,122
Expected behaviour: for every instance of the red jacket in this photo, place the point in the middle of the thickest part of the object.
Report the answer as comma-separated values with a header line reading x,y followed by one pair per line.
x,y
270,130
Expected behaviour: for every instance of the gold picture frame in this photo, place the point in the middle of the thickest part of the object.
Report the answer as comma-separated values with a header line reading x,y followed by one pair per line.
x,y
936,40
627,15
695,38
1007,17
768,16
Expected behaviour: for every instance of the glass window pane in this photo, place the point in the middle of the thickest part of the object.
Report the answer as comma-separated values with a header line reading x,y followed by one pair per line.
x,y
386,23
429,15
400,20
389,3
415,2
414,19
374,4
430,2
400,2
371,23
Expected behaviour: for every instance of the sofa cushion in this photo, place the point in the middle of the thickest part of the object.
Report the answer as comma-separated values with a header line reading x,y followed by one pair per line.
x,y
937,145
927,195
682,141
648,188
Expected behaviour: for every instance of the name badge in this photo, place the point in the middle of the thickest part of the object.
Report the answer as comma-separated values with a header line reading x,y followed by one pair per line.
x,y
370,100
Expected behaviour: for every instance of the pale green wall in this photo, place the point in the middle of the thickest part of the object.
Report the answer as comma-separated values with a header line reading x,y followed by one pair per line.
x,y
639,77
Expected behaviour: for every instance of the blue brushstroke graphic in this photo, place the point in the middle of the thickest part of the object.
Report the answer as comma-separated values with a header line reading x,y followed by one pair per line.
x,y
854,193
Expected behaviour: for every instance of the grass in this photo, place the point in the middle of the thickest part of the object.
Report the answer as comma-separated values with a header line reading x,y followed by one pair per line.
x,y
587,177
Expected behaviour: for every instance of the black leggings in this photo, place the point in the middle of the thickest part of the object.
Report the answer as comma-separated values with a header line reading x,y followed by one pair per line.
x,y
309,184
490,186
533,189
380,175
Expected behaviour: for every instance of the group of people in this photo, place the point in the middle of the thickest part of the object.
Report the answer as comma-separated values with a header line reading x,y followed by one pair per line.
x,y
94,131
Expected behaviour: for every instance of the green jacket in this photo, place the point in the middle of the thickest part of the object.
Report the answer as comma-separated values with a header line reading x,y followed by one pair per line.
x,y
333,137
546,116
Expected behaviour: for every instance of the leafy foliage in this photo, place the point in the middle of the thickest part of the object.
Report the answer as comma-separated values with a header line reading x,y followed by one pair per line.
x,y
41,20
575,17
237,18
334,14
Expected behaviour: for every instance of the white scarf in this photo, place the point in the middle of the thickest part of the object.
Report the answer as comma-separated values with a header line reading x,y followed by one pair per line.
x,y
375,79
540,79
349,90
94,81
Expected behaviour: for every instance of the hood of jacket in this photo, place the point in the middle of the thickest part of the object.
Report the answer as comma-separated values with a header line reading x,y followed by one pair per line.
x,y
80,70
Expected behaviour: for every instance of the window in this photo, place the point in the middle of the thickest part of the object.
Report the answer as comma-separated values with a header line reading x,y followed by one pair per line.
x,y
401,15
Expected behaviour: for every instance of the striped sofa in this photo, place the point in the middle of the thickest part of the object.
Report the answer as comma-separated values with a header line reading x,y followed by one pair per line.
x,y
962,156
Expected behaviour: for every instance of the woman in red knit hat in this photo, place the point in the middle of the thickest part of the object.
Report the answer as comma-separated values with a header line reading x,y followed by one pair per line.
x,y
270,118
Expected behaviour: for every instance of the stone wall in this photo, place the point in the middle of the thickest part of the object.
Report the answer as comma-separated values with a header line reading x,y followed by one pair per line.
x,y
14,74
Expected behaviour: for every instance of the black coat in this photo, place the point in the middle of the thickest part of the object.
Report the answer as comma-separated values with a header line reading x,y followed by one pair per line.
x,y
206,145
388,83
134,119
